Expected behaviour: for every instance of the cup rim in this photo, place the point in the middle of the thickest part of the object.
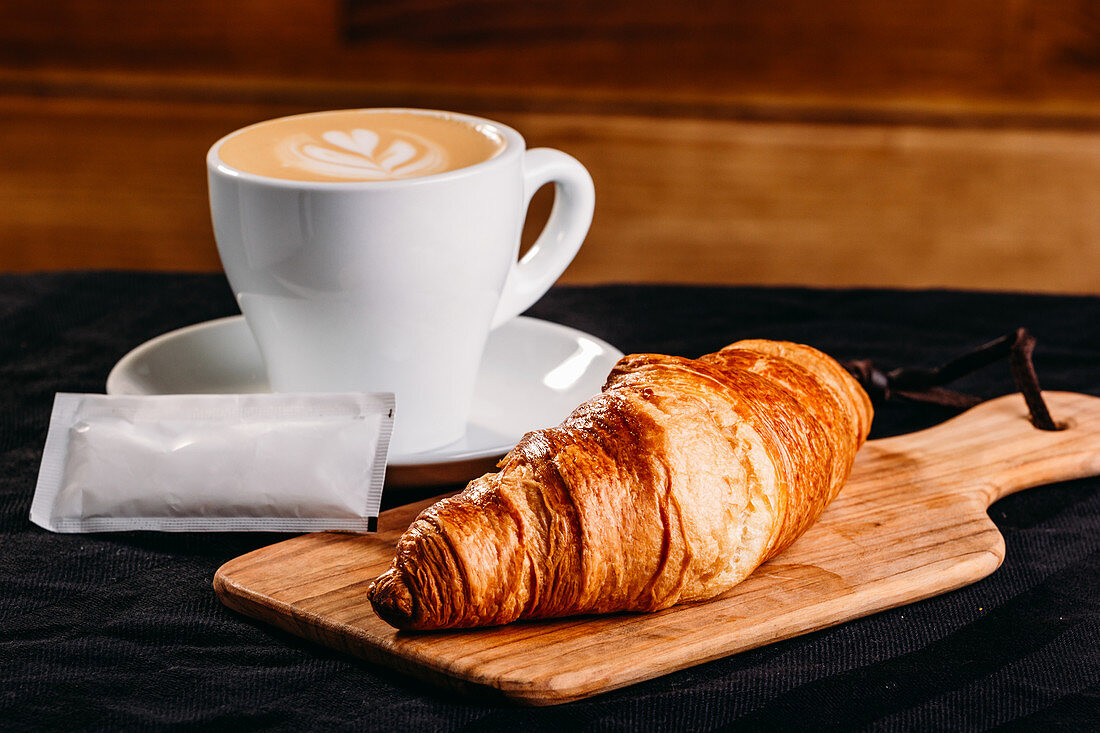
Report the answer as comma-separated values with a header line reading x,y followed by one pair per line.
x,y
514,144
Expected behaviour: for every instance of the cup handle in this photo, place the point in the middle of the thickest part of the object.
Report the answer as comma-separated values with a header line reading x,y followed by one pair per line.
x,y
557,245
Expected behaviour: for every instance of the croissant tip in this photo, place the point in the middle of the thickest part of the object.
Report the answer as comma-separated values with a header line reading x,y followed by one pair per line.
x,y
392,600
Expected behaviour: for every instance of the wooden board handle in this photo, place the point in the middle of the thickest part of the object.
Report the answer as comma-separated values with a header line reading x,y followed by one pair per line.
x,y
995,450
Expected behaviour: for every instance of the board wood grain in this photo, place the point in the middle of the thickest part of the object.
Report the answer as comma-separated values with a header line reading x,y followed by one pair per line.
x,y
910,523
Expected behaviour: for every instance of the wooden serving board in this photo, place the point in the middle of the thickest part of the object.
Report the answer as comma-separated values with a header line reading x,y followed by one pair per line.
x,y
910,523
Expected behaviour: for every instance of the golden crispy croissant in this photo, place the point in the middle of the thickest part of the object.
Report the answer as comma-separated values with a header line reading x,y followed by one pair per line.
x,y
672,485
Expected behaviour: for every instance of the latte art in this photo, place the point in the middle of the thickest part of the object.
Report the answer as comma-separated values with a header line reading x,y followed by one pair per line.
x,y
359,155
360,145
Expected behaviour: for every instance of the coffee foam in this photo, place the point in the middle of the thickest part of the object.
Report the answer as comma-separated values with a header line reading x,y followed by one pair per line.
x,y
360,145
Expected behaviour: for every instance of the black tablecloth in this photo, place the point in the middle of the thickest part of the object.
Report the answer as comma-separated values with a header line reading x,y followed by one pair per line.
x,y
123,631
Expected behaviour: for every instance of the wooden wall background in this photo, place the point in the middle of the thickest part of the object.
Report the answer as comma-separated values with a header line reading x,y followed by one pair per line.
x,y
856,142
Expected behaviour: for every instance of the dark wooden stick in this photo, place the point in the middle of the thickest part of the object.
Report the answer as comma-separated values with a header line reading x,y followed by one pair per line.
x,y
917,384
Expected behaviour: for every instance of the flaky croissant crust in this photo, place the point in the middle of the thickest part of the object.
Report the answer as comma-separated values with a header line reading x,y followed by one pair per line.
x,y
672,485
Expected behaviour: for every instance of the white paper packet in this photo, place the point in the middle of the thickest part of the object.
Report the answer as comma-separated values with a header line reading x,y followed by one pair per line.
x,y
192,463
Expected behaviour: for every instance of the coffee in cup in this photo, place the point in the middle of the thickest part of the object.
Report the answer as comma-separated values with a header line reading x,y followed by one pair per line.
x,y
373,250
360,145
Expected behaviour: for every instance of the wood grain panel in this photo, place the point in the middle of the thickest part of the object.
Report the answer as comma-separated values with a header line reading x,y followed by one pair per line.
x,y
1022,50
678,200
92,185
231,37
910,523
849,205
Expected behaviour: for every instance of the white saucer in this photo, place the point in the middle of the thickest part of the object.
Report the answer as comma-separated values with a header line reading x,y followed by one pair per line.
x,y
532,375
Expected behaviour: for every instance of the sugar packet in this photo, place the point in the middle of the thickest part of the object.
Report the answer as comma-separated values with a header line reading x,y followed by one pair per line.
x,y
192,463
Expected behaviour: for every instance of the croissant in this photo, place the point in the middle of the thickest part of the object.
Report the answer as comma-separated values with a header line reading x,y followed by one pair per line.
x,y
672,485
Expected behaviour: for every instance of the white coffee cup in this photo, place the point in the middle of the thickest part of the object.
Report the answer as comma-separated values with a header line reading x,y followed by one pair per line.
x,y
394,285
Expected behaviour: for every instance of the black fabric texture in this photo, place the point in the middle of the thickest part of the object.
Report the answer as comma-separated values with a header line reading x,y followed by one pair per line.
x,y
122,631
